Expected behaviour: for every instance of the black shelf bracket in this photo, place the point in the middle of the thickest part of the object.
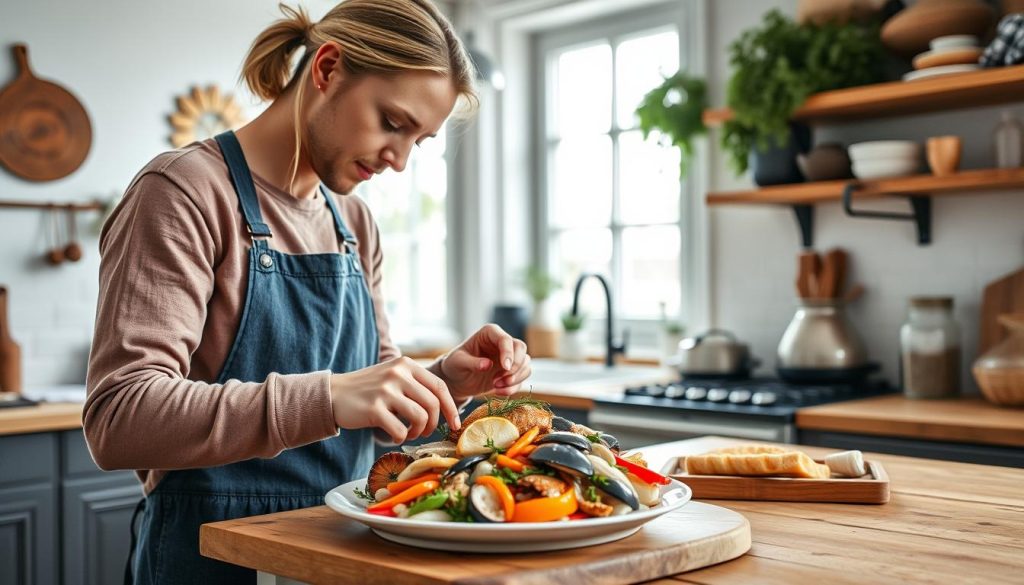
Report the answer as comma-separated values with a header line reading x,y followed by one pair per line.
x,y
921,212
804,213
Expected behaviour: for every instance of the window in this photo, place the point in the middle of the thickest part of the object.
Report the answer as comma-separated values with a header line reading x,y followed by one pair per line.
x,y
410,208
611,202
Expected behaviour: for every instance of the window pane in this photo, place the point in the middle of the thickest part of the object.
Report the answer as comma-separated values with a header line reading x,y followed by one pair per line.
x,y
581,173
650,263
642,64
583,91
649,180
578,251
431,300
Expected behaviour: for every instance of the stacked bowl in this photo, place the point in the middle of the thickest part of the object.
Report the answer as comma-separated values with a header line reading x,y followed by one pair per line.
x,y
881,159
948,54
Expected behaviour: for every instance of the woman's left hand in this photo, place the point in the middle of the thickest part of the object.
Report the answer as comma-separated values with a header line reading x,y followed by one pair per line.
x,y
490,359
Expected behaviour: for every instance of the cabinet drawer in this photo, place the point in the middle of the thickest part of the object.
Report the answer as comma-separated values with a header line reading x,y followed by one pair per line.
x,y
28,458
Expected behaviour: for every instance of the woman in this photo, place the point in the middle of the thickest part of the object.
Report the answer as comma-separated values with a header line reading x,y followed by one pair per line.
x,y
241,359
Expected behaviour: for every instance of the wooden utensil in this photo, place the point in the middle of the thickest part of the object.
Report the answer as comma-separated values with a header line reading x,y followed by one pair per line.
x,y
1005,295
73,250
45,132
56,253
808,266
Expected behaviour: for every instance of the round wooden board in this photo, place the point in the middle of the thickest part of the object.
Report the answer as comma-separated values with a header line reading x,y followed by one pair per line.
x,y
316,545
45,132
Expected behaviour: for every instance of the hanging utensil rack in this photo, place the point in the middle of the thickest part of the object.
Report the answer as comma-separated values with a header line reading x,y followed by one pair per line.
x,y
52,205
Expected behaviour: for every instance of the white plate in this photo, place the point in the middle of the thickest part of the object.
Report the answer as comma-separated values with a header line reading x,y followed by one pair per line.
x,y
941,70
502,538
953,42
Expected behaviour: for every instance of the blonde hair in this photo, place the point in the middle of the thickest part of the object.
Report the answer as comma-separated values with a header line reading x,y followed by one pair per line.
x,y
376,36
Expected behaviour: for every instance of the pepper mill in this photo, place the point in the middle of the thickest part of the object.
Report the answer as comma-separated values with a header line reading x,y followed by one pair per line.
x,y
10,353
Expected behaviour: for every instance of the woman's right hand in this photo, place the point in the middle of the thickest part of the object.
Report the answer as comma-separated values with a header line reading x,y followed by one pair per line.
x,y
399,396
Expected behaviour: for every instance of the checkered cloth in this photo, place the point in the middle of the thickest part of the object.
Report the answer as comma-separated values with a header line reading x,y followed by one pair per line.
x,y
1008,46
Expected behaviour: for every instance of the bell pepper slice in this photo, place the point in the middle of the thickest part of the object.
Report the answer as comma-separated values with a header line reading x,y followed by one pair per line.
x,y
546,509
642,473
506,461
408,495
397,487
431,502
508,502
522,442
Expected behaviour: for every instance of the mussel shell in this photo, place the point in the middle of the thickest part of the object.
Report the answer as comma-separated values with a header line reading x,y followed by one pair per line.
x,y
564,458
619,490
484,505
609,440
561,424
564,438
465,464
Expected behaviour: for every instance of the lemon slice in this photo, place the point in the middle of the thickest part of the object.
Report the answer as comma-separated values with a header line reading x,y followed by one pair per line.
x,y
486,433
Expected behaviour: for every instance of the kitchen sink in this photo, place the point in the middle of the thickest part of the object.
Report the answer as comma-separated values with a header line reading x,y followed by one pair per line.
x,y
550,374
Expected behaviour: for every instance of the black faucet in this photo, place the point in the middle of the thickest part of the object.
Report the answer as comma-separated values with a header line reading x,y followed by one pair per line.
x,y
610,348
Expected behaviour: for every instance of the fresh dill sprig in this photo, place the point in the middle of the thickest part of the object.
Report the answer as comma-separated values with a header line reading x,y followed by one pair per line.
x,y
500,407
364,493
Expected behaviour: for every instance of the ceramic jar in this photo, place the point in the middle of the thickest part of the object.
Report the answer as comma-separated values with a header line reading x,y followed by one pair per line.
x,y
10,353
1000,370
930,349
825,162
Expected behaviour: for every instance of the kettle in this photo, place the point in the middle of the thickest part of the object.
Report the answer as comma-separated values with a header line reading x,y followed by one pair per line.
x,y
714,353
820,345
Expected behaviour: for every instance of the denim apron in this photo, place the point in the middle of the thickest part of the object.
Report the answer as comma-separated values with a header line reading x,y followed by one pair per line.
x,y
303,313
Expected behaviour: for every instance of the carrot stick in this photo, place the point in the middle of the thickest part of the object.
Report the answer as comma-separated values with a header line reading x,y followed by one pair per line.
x,y
397,487
506,461
522,442
406,496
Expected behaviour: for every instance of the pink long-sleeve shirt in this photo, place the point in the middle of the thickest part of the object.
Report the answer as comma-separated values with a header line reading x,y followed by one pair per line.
x,y
173,280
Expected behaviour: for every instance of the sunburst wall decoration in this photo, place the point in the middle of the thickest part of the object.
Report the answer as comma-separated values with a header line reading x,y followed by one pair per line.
x,y
203,113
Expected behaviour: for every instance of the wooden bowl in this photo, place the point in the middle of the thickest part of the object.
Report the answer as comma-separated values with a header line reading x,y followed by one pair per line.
x,y
909,32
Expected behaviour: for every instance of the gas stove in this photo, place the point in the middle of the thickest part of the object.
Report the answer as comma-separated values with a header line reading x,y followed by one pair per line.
x,y
755,408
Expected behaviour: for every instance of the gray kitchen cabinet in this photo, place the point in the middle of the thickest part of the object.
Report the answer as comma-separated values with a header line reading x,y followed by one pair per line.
x,y
29,545
62,519
97,509
946,451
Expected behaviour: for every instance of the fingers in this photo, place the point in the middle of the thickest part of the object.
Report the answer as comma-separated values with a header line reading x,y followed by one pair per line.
x,y
444,397
521,361
390,424
415,415
509,384
505,344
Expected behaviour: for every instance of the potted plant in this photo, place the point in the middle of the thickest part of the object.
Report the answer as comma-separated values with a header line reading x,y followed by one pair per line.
x,y
542,332
776,67
572,347
676,108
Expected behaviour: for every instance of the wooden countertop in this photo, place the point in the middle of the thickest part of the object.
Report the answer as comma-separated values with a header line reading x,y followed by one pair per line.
x,y
958,420
943,519
41,418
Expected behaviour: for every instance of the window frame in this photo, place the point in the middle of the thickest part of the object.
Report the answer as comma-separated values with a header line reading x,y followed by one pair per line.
x,y
617,28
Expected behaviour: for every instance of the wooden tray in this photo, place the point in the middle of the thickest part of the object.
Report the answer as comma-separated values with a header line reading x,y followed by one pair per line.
x,y
873,488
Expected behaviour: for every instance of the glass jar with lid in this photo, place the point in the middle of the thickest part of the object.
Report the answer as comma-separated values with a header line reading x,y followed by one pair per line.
x,y
930,349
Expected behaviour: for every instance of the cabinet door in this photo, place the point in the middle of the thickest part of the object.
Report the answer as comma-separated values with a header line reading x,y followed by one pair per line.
x,y
28,505
96,528
96,516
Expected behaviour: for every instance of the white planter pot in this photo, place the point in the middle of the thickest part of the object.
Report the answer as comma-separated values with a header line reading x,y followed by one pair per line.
x,y
572,347
669,343
545,316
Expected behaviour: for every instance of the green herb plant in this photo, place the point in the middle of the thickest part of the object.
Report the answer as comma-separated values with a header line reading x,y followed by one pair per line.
x,y
779,64
571,322
675,109
539,284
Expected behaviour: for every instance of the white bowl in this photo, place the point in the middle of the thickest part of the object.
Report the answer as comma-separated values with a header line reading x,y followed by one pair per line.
x,y
951,41
886,167
884,149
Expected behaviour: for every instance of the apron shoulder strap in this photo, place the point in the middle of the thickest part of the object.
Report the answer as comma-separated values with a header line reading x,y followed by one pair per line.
x,y
242,179
339,223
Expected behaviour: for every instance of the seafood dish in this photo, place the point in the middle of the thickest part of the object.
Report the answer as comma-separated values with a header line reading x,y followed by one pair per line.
x,y
512,461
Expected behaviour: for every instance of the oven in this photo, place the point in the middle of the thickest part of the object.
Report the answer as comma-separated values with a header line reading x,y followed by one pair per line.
x,y
638,426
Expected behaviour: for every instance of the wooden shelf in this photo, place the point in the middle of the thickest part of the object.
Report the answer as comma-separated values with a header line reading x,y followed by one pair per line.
x,y
966,90
809,193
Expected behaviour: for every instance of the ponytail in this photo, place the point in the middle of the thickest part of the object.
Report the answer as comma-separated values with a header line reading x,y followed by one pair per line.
x,y
267,67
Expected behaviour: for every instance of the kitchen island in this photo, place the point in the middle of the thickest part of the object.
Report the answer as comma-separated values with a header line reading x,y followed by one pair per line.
x,y
945,522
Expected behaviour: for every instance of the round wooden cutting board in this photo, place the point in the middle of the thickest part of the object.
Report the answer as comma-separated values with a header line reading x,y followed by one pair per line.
x,y
45,133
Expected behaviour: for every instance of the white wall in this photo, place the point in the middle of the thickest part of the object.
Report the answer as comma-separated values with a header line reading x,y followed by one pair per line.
x,y
976,237
125,60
